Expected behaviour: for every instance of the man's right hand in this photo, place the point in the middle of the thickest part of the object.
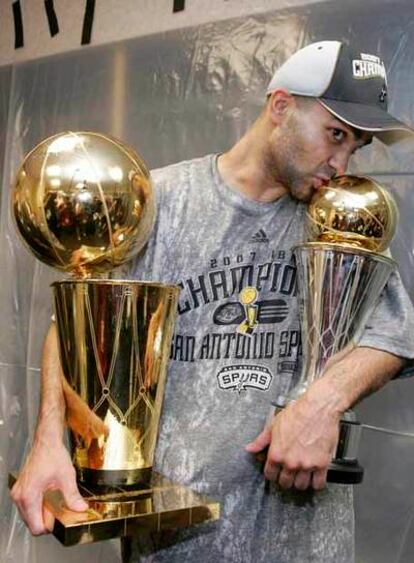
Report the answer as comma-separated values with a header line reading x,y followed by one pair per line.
x,y
48,467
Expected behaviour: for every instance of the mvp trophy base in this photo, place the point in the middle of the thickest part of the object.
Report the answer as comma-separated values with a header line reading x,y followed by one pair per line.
x,y
345,472
344,467
123,512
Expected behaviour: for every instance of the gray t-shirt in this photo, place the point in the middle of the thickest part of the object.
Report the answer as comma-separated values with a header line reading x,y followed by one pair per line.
x,y
224,371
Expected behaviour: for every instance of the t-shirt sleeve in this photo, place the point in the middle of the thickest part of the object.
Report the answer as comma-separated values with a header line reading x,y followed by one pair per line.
x,y
390,327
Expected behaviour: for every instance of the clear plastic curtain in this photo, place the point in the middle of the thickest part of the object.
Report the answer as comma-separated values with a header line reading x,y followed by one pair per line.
x,y
174,96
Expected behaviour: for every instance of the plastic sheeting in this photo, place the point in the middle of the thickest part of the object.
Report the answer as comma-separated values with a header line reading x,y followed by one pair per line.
x,y
175,96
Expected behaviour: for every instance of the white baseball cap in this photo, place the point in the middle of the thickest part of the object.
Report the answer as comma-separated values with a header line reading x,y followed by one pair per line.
x,y
352,85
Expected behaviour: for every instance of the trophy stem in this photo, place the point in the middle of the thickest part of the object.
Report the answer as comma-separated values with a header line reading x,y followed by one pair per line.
x,y
114,341
338,287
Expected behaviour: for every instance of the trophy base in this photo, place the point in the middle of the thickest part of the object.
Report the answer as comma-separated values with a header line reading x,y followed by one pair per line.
x,y
345,472
344,467
119,513
101,478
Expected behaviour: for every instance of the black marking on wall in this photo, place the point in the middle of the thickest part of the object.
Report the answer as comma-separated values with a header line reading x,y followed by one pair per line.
x,y
88,22
179,5
51,18
18,25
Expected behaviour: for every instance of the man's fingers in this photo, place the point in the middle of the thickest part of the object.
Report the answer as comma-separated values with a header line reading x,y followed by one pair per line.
x,y
319,479
259,443
286,478
48,519
32,513
72,496
271,471
302,480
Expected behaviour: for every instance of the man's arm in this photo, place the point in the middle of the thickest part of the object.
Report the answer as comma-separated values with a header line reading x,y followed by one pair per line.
x,y
48,465
303,437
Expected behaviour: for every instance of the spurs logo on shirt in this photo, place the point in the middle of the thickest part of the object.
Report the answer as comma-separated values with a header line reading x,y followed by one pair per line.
x,y
240,377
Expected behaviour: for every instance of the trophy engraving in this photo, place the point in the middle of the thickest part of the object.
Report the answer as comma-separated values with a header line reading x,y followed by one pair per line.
x,y
341,273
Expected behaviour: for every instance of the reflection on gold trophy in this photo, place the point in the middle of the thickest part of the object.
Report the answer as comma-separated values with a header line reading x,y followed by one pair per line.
x,y
341,273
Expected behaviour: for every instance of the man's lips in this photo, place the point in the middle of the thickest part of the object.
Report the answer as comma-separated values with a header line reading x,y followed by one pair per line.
x,y
320,181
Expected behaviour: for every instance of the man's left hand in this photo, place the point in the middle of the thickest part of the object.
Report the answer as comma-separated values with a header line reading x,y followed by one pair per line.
x,y
302,439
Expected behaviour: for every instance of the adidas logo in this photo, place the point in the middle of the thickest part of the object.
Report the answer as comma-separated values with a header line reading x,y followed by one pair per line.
x,y
260,236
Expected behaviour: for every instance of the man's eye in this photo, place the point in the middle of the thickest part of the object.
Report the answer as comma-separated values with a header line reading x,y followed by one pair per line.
x,y
338,135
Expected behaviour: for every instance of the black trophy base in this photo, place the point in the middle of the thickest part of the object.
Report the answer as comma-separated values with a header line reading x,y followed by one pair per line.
x,y
345,472
344,467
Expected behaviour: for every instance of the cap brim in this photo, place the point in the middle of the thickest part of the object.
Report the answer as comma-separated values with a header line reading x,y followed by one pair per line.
x,y
369,118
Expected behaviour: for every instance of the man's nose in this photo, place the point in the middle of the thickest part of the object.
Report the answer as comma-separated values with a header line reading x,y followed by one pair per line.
x,y
339,161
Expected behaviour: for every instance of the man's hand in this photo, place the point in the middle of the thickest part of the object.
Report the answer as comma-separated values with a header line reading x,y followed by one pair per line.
x,y
47,467
302,439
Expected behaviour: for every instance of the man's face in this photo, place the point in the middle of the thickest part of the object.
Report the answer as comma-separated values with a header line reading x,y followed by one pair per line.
x,y
313,146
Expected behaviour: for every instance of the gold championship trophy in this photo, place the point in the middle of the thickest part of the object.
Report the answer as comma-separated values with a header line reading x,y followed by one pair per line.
x,y
84,204
341,273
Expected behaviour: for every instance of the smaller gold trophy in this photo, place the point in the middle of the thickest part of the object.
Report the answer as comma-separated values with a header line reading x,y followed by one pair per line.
x,y
84,204
248,297
341,273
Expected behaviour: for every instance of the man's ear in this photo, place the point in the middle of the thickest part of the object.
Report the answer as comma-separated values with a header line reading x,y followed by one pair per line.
x,y
280,104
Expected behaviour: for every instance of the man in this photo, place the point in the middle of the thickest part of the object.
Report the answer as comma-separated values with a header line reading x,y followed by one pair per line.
x,y
225,224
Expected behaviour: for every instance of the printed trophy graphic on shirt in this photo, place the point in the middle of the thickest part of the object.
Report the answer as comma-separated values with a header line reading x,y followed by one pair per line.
x,y
84,204
248,296
341,273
